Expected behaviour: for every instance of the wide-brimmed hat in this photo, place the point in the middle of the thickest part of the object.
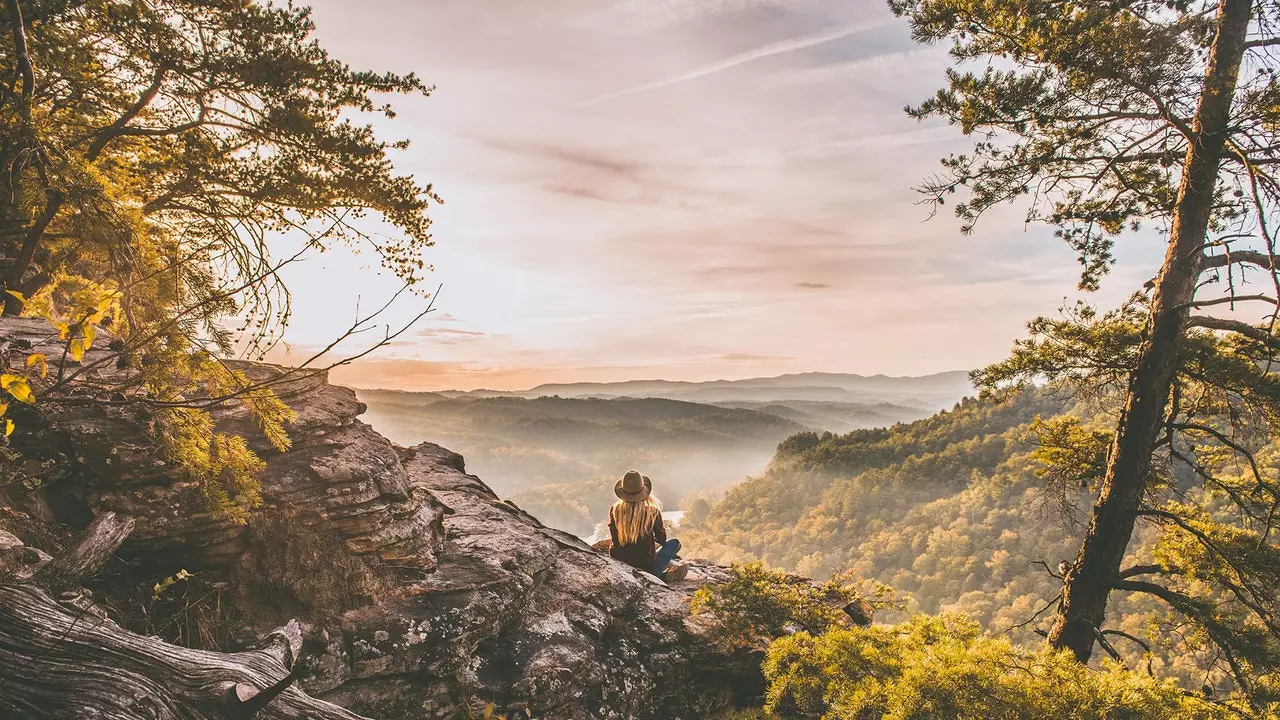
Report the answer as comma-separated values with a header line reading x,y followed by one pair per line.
x,y
633,487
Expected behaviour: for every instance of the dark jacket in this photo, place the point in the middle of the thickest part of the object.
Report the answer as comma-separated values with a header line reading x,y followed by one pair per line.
x,y
640,554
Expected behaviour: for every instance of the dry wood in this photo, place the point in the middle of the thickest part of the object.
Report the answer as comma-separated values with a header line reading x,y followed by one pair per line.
x,y
100,540
58,664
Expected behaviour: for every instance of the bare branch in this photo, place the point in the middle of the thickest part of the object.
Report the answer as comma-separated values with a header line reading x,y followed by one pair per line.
x,y
115,129
1252,331
1231,299
1251,257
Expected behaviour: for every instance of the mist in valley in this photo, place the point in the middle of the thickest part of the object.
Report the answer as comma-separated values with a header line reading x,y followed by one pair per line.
x,y
557,456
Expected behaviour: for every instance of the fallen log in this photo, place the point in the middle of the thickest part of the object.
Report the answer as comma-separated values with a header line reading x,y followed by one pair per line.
x,y
60,664
68,661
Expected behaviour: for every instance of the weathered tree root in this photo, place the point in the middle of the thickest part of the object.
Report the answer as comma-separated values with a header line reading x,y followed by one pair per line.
x,y
65,663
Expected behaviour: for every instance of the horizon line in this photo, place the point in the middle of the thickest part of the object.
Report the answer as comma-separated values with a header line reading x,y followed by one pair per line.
x,y
661,380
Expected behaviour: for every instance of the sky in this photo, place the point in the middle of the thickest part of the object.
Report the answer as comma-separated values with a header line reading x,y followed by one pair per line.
x,y
678,189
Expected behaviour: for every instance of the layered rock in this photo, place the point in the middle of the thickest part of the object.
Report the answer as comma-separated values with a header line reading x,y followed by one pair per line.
x,y
419,590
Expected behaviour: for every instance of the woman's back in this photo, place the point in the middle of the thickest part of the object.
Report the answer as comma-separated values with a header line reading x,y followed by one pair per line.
x,y
636,530
638,537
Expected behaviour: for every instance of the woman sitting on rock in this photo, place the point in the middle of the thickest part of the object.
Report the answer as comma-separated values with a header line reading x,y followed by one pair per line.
x,y
638,536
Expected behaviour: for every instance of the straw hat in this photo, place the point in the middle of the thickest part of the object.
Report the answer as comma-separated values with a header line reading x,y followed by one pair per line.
x,y
633,487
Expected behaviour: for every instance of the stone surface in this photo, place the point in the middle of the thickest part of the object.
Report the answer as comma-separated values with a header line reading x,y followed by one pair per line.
x,y
418,589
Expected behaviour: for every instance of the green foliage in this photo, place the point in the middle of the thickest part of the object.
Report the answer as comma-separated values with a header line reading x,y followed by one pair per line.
x,y
697,511
957,511
945,667
155,152
1213,490
1070,460
1101,117
165,584
757,603
1082,112
223,465
957,485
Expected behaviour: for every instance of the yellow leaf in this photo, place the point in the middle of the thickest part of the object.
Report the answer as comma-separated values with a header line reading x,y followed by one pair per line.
x,y
37,358
4,408
64,330
90,332
488,711
76,349
22,391
8,427
18,387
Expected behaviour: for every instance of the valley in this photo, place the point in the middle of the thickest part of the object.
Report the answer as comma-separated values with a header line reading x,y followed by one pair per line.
x,y
555,451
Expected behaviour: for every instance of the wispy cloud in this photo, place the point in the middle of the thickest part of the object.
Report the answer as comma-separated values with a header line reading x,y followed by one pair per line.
x,y
579,156
760,206
764,51
753,358
454,333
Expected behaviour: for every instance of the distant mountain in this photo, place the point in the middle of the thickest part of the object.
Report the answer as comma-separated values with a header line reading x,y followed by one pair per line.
x,y
927,392
946,382
555,449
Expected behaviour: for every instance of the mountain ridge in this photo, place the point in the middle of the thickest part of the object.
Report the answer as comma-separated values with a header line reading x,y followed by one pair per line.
x,y
934,391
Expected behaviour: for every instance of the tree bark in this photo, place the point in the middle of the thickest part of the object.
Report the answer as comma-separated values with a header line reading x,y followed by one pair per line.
x,y
63,661
63,665
1089,581
99,541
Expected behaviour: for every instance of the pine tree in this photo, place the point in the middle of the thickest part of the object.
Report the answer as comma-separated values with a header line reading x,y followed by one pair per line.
x,y
1105,117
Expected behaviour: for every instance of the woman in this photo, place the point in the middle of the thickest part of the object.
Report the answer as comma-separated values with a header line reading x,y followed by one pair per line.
x,y
638,536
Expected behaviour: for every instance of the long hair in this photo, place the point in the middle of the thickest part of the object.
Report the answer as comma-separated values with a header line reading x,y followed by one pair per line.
x,y
635,519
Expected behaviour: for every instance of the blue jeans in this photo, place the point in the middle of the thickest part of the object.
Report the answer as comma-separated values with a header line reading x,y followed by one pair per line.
x,y
662,558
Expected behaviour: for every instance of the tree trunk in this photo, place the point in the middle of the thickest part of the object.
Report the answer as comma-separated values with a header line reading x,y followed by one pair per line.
x,y
1089,581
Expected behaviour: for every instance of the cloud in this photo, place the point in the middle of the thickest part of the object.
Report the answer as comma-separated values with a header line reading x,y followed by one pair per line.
x,y
649,14
446,336
753,358
448,333
632,195
763,51
578,155
762,208
841,73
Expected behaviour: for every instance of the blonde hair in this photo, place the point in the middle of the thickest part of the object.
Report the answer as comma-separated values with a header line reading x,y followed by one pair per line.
x,y
634,519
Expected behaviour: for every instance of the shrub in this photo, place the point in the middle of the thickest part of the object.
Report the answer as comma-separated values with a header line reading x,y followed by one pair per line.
x,y
945,667
757,603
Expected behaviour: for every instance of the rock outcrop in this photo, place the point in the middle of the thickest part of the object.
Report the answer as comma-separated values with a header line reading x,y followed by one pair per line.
x,y
419,591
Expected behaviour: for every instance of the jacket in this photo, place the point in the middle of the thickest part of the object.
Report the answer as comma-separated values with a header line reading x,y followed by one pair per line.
x,y
639,555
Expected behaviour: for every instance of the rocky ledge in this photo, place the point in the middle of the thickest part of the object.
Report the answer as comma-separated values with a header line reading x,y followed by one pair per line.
x,y
419,592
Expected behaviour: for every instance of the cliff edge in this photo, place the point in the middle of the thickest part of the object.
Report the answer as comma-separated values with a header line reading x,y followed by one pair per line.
x,y
417,590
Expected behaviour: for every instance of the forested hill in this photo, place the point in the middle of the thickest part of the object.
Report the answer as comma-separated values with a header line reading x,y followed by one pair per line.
x,y
559,457
947,510
809,507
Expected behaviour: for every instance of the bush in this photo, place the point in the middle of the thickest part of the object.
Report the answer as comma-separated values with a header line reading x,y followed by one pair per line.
x,y
944,667
757,603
